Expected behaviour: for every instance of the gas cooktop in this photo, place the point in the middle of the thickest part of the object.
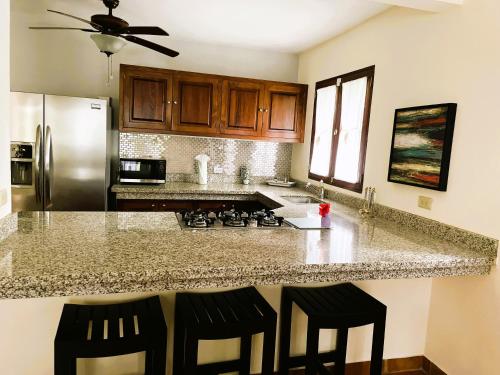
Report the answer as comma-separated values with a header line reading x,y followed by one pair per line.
x,y
229,219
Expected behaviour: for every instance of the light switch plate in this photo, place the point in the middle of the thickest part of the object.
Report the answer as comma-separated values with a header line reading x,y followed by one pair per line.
x,y
3,197
425,202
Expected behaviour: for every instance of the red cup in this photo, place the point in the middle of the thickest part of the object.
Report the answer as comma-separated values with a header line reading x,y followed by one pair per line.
x,y
324,209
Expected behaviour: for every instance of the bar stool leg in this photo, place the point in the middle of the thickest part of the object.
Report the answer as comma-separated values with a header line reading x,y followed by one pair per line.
x,y
162,357
312,348
377,346
149,366
64,362
245,353
156,359
191,354
179,344
285,333
341,350
268,349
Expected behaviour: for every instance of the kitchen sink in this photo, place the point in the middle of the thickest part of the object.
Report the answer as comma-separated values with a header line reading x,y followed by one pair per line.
x,y
302,199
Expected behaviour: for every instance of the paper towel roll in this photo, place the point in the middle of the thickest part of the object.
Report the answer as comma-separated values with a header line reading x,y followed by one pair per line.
x,y
202,166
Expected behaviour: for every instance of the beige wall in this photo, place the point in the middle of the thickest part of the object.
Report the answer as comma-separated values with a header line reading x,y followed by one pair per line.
x,y
424,58
4,108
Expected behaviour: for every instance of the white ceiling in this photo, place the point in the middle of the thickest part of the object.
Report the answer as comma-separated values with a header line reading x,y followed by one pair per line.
x,y
278,25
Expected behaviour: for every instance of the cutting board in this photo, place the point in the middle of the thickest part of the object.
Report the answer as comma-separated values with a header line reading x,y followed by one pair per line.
x,y
316,222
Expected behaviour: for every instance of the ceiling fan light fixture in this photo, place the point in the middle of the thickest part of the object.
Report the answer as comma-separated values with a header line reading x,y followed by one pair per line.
x,y
108,44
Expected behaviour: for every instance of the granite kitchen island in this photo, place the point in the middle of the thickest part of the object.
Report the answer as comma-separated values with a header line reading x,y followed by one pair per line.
x,y
89,253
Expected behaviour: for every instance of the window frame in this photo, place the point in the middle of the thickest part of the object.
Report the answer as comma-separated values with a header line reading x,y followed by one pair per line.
x,y
368,72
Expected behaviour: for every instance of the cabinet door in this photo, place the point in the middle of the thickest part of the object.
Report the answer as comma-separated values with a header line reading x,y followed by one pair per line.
x,y
196,104
242,108
175,205
284,112
145,100
137,205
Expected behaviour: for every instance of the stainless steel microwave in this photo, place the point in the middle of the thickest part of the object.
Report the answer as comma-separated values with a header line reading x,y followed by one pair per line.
x,y
143,171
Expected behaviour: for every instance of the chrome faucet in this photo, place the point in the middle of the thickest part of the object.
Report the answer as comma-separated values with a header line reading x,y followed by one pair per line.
x,y
368,203
321,193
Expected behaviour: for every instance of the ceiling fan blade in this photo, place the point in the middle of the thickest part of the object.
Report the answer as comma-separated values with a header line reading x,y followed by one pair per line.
x,y
146,30
61,28
94,25
151,45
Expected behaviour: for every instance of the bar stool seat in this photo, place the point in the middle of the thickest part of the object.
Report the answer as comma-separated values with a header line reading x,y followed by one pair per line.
x,y
237,313
340,307
90,331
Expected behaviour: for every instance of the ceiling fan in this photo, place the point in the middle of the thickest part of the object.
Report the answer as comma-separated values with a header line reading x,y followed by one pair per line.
x,y
110,33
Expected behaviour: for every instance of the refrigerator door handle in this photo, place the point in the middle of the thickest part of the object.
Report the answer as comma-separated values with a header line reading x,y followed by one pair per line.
x,y
38,158
48,167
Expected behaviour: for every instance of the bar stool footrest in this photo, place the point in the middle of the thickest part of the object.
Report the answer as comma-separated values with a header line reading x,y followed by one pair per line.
x,y
300,360
219,367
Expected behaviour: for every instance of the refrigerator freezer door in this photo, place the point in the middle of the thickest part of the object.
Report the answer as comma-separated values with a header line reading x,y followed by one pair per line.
x,y
75,154
26,127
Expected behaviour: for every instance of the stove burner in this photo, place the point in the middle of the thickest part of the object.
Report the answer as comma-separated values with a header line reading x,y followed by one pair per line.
x,y
268,219
197,219
233,218
268,222
235,223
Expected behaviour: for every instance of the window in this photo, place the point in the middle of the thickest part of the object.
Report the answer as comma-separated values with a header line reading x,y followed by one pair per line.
x,y
340,129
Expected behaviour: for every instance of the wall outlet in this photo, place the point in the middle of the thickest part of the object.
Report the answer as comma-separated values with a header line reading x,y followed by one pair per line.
x,y
425,202
218,169
3,197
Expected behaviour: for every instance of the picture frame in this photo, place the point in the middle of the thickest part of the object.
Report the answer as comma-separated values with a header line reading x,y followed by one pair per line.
x,y
421,145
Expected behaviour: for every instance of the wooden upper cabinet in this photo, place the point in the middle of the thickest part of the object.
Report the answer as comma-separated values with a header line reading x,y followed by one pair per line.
x,y
242,108
145,97
196,103
166,101
284,111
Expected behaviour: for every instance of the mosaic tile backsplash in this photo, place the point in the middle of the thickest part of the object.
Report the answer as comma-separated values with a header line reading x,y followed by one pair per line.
x,y
264,160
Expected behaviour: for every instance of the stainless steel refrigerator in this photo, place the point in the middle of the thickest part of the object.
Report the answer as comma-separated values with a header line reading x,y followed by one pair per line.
x,y
60,159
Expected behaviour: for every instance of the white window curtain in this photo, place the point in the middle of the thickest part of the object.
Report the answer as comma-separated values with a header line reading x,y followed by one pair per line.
x,y
351,127
326,99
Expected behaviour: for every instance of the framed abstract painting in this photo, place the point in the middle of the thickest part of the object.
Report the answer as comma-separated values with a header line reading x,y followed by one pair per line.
x,y
421,145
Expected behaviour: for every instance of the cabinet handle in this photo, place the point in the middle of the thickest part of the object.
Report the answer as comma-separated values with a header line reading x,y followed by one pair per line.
x,y
168,102
266,110
153,205
175,101
261,109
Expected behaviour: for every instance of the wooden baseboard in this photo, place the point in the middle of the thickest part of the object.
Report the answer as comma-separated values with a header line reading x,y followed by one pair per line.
x,y
431,369
419,365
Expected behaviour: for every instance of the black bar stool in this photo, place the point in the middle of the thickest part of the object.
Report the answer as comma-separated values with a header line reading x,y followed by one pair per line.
x,y
340,307
91,331
222,315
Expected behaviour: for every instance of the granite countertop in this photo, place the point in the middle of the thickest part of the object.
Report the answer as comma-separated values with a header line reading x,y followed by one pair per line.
x,y
84,253
186,187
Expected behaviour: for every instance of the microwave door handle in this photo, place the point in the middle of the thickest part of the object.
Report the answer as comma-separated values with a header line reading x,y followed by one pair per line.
x,y
38,160
48,167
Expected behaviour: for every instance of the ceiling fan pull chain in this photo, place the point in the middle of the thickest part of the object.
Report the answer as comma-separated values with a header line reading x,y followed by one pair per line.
x,y
111,67
108,83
